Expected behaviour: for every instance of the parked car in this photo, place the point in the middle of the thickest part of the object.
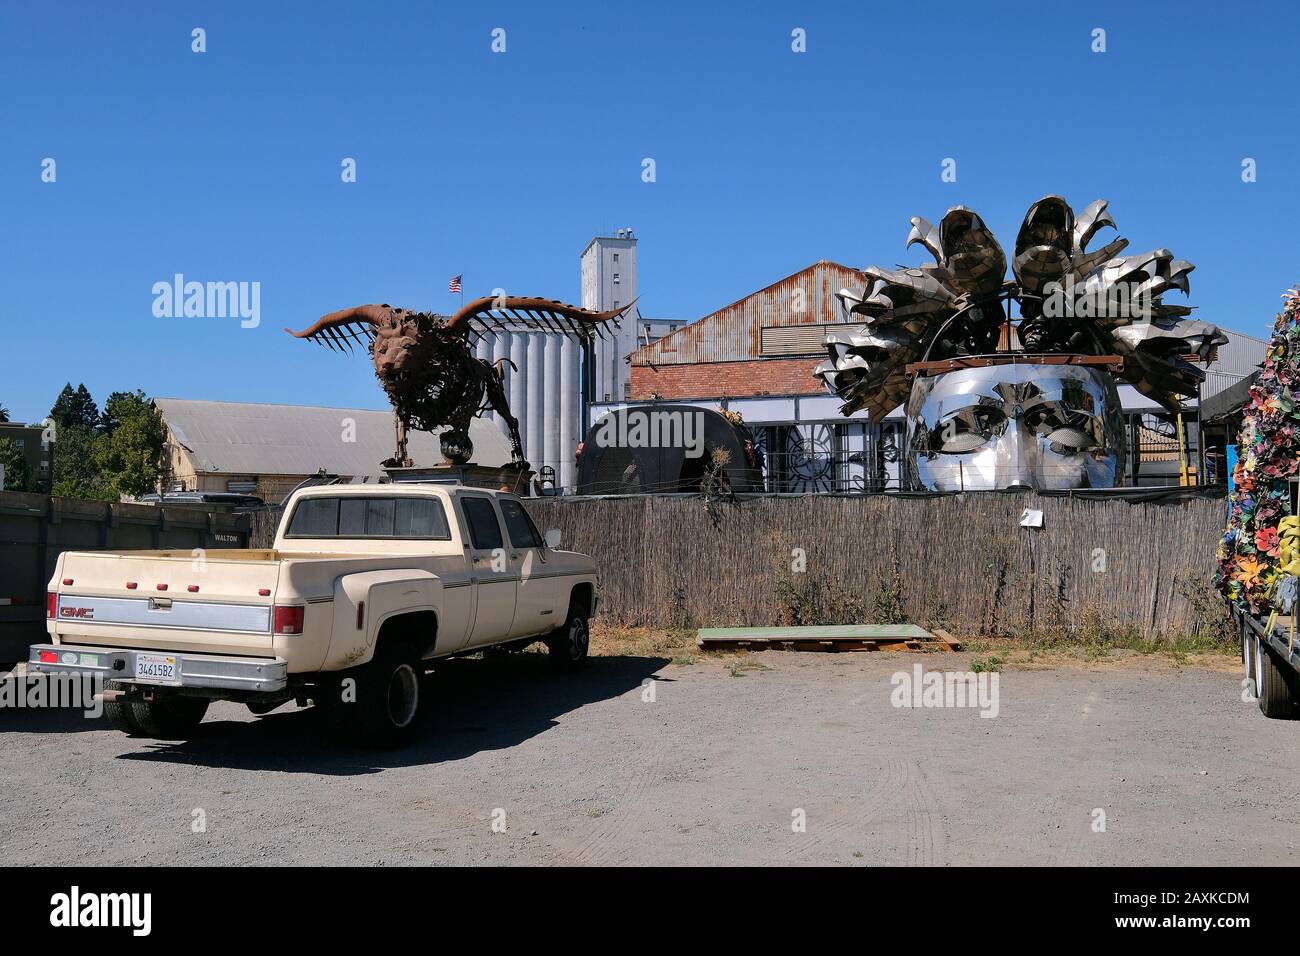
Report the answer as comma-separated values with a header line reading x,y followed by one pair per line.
x,y
363,588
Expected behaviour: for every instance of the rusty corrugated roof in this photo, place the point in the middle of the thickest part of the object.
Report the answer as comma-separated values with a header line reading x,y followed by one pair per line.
x,y
734,333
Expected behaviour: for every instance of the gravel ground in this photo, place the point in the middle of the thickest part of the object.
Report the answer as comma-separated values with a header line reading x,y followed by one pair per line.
x,y
713,770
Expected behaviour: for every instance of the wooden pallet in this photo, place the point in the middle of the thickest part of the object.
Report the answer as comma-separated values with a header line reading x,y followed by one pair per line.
x,y
848,637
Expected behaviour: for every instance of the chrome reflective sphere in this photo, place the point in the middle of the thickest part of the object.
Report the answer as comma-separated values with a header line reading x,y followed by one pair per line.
x,y
456,446
1021,425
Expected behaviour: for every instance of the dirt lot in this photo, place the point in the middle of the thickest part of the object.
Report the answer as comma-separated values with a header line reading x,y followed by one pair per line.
x,y
713,770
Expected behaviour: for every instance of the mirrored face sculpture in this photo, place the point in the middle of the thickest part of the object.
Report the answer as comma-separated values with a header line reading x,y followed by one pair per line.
x,y
1042,422
1015,426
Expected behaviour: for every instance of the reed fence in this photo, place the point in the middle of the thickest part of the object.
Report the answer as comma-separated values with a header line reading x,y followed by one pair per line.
x,y
962,562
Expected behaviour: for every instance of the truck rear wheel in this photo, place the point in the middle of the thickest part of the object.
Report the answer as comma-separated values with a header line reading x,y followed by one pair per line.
x,y
169,718
1277,685
1253,648
387,698
568,644
1246,635
120,714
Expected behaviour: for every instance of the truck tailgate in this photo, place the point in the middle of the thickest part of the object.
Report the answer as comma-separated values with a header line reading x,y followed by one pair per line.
x,y
206,603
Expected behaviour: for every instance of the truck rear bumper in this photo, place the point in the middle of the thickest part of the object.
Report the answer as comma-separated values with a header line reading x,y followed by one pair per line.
x,y
206,671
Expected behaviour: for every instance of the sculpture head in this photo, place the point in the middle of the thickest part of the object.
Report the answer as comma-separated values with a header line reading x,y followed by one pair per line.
x,y
1015,425
415,350
396,342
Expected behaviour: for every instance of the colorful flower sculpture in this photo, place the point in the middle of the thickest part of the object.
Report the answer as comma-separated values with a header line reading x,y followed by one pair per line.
x,y
1257,563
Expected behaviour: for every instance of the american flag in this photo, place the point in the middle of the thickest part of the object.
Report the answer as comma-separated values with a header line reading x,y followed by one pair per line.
x,y
454,284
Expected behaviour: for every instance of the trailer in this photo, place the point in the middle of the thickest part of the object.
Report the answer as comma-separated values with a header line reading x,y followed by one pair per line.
x,y
35,529
1270,658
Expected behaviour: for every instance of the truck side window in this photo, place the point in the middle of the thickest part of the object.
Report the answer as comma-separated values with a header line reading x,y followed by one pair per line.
x,y
520,527
421,518
484,531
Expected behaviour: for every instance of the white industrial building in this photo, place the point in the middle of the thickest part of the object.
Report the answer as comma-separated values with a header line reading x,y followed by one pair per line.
x,y
545,379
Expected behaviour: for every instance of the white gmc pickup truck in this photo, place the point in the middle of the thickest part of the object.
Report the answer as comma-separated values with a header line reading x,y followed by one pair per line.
x,y
365,585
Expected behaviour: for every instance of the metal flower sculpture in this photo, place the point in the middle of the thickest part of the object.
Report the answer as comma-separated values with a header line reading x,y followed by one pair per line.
x,y
426,365
1096,310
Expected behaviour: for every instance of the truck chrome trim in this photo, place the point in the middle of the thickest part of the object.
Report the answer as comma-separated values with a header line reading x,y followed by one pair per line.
x,y
196,670
180,615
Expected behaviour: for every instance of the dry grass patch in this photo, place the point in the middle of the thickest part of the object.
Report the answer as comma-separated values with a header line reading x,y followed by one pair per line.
x,y
676,644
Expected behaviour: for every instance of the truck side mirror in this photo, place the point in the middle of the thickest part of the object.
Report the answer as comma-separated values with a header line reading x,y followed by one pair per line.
x,y
553,539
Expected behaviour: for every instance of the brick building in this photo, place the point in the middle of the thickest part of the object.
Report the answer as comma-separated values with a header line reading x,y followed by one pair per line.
x,y
764,344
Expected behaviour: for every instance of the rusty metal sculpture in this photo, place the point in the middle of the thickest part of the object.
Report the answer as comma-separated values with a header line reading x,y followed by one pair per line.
x,y
426,365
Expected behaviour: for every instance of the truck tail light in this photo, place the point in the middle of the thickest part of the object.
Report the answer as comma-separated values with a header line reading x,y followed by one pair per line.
x,y
49,657
51,603
288,618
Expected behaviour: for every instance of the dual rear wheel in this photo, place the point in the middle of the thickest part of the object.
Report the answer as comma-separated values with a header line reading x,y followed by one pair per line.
x,y
167,718
1276,685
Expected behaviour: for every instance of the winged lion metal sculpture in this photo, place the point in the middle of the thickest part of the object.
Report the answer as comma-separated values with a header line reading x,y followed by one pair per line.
x,y
426,364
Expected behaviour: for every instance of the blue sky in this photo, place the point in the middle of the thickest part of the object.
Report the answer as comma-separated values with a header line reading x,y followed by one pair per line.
x,y
225,166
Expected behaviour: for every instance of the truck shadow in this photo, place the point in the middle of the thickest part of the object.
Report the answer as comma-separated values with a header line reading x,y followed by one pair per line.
x,y
468,705
48,720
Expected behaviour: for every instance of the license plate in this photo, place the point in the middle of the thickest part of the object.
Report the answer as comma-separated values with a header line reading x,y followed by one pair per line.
x,y
157,669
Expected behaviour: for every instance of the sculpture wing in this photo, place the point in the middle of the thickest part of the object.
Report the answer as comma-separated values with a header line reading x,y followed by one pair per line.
x,y
340,330
490,313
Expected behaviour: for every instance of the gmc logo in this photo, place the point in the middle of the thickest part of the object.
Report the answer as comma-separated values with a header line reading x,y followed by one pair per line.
x,y
84,613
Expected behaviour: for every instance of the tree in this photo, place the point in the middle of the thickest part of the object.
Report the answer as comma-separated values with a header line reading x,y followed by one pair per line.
x,y
17,475
4,414
75,409
76,472
130,452
114,406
